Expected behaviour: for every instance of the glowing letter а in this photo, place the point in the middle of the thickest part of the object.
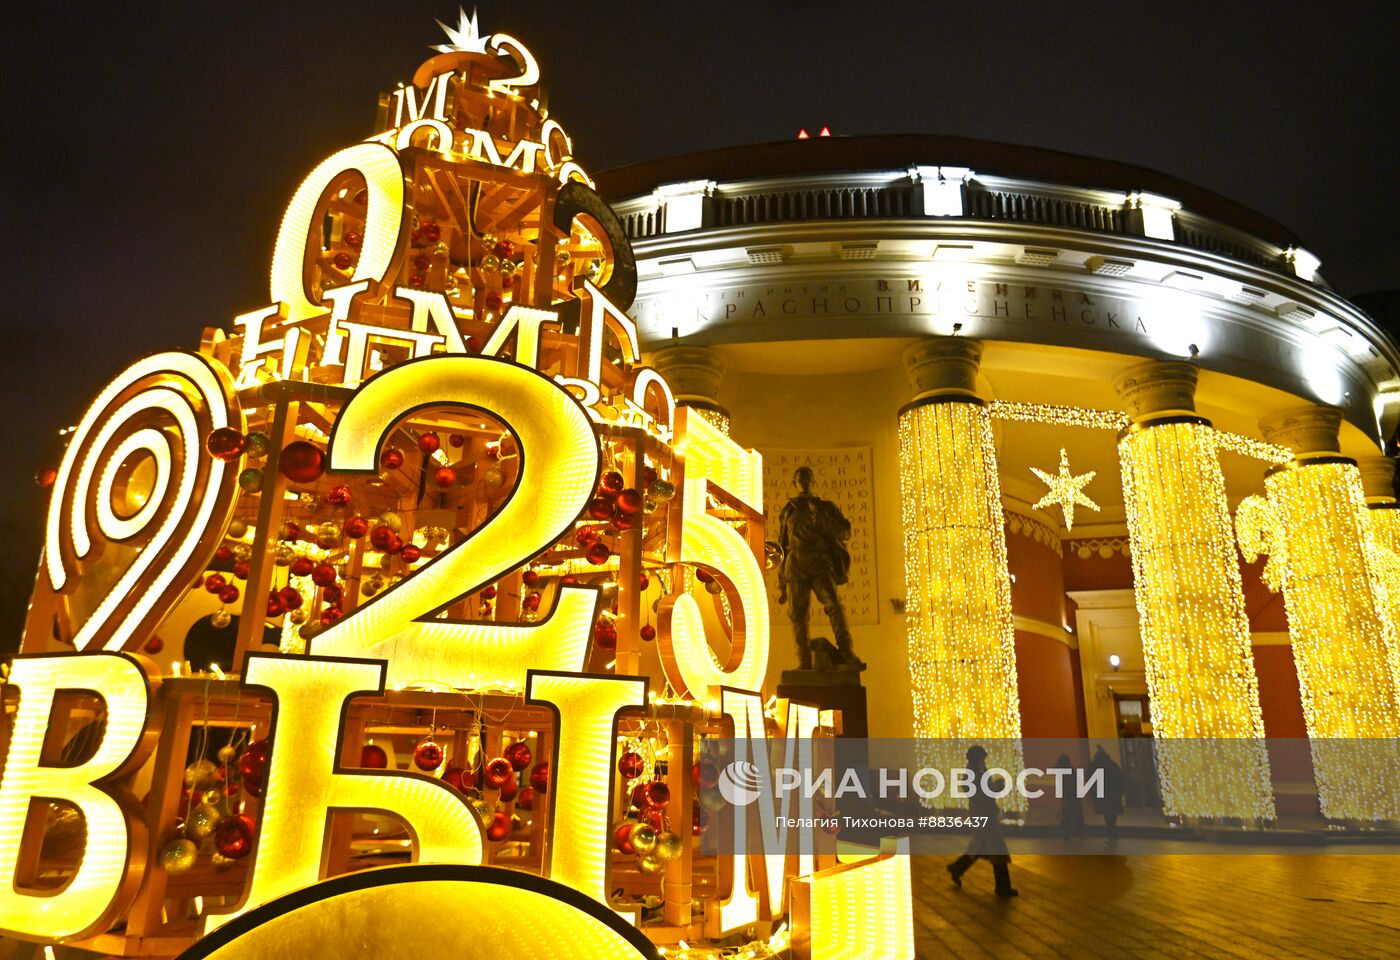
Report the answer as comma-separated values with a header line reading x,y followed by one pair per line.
x,y
305,784
102,886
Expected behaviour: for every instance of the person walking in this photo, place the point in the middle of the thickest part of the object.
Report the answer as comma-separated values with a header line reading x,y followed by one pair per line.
x,y
1108,800
1071,806
987,841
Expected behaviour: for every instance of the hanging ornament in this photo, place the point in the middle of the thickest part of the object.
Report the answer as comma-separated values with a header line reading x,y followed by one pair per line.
x,y
226,443
372,586
658,794
356,527
622,837
611,484
223,553
283,555
639,796
518,753
392,520
631,765
496,772
623,521
530,602
233,837
629,501
372,755
1066,490
178,855
713,800
699,820
45,476
499,828
302,462
605,635
202,820
251,480
704,774
228,594
600,508
220,618
275,606
714,586
410,553
661,490
214,583
650,864
252,762
539,778
342,260
647,633
302,567
381,538
669,846
429,443
598,553
445,477
154,645
291,598
452,775
201,774
259,444
391,459
494,478
643,838
339,496
237,528
509,789
323,575
526,799
427,756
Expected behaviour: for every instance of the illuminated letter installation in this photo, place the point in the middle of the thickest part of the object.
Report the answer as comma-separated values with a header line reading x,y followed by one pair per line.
x,y
1195,632
962,653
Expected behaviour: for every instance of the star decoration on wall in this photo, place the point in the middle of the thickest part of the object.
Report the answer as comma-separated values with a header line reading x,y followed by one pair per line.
x,y
1065,489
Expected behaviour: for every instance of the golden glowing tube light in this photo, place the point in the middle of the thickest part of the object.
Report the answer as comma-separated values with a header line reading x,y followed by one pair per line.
x,y
1195,631
962,648
857,911
384,187
103,884
1344,643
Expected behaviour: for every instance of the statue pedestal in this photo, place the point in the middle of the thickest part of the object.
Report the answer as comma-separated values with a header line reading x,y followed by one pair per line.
x,y
829,690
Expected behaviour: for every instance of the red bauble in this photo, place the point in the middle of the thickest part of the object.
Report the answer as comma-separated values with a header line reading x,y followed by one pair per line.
x,y
509,789
488,592
302,567
429,442
600,508
643,581
411,553
427,755
456,439
445,477
339,496
631,765
342,260
223,554
658,794
604,635
539,778
598,553
391,459
530,578
372,755
395,545
330,615
154,645
629,501
291,598
585,536
647,633
416,280
331,594
254,788
229,594
639,796
499,827
45,476
323,575
704,774
226,443
611,483
233,837
352,239
431,231
302,462
290,532
356,527
252,762
623,521
275,606
622,838
493,301
452,776
526,799
648,475
497,771
531,601
699,820
504,248
703,575
215,582
421,261
518,753
655,817
381,537
240,569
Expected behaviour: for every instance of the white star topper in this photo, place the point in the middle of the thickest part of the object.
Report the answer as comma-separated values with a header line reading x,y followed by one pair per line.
x,y
465,37
1065,489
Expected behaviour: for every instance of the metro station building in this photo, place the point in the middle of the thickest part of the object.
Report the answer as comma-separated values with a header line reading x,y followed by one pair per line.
x,y
1044,309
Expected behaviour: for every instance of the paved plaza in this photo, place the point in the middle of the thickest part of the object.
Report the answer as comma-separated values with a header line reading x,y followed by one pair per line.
x,y
1164,906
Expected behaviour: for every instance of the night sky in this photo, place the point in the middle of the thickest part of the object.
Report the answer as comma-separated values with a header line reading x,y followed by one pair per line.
x,y
150,149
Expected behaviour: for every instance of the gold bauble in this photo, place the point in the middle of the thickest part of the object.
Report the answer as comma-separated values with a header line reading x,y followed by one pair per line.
x,y
178,855
202,820
391,520
283,555
650,863
200,774
220,861
220,618
495,477
643,838
213,796
297,616
668,847
712,800
237,529
227,753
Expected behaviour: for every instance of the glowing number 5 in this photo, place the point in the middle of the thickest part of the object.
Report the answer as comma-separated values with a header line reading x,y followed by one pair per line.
x,y
559,464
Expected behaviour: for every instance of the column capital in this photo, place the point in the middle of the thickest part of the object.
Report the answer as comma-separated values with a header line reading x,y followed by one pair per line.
x,y
941,366
695,373
1304,430
1377,478
1158,387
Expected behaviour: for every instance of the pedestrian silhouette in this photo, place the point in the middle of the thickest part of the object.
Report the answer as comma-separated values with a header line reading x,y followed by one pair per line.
x,y
1071,807
987,841
1108,800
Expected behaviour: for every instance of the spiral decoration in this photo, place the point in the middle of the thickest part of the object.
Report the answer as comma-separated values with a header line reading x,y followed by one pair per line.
x,y
123,547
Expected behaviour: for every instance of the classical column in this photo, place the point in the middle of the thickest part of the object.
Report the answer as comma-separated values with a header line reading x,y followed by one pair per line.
x,y
1344,643
1186,579
962,652
695,375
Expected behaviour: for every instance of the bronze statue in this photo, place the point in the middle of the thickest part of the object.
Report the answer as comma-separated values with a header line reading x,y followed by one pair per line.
x,y
812,535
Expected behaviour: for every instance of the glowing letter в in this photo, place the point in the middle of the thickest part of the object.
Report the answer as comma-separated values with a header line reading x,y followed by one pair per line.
x,y
102,885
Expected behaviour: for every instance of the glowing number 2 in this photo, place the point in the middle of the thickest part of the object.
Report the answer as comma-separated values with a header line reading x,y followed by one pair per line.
x,y
559,464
